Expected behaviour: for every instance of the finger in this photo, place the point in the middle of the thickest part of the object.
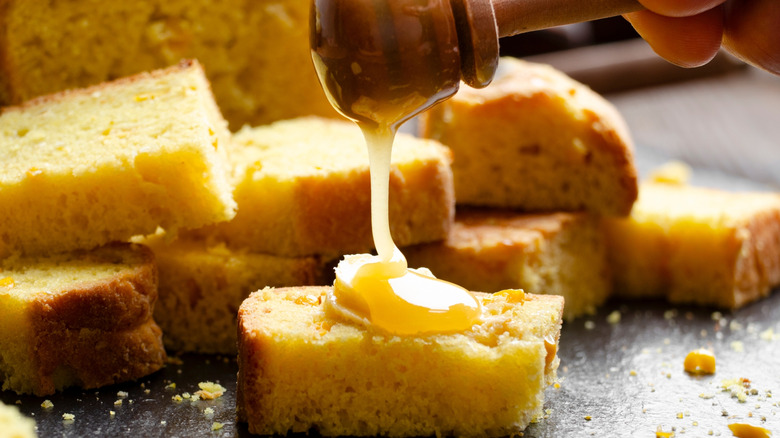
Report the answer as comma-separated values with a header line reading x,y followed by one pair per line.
x,y
680,8
686,41
751,32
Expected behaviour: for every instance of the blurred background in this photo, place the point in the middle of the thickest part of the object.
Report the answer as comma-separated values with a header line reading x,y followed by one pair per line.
x,y
720,118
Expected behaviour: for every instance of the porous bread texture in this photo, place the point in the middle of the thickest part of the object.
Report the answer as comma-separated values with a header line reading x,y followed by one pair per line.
x,y
303,188
697,245
78,319
555,253
255,52
15,425
87,167
202,285
300,369
536,140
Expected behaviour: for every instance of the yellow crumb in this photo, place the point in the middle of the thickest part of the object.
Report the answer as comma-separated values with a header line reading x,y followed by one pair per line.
x,y
216,426
118,403
208,412
700,361
68,417
588,418
673,172
47,404
743,430
177,398
112,414
614,317
210,390
171,386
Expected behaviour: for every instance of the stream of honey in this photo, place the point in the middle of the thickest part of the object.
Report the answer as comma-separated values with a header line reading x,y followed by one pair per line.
x,y
380,85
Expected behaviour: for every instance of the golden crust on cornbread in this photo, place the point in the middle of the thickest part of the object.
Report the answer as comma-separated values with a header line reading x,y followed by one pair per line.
x,y
303,188
86,167
697,245
82,318
301,368
555,253
536,140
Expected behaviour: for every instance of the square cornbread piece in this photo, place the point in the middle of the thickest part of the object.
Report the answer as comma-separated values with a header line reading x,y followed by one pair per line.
x,y
303,187
697,245
203,284
78,319
255,52
536,140
87,167
301,369
491,250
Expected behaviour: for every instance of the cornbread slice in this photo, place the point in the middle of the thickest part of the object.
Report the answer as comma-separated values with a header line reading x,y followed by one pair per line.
x,y
78,319
697,245
536,140
255,52
302,187
491,250
202,285
101,164
15,425
301,369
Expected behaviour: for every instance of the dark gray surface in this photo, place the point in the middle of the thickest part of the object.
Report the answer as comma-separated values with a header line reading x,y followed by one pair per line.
x,y
627,377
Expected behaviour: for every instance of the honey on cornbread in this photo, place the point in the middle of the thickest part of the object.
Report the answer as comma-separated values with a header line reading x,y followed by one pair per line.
x,y
697,245
78,319
301,369
536,140
90,166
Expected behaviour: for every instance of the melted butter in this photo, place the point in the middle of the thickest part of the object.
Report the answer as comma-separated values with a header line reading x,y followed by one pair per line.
x,y
380,76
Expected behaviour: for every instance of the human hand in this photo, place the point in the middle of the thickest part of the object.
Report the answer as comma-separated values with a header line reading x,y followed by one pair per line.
x,y
690,32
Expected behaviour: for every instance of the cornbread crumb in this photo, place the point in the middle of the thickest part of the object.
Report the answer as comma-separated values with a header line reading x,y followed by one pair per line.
x,y
672,172
118,403
208,412
216,425
13,424
121,394
163,422
177,398
590,325
210,390
47,404
614,317
171,385
699,361
68,417
737,388
112,414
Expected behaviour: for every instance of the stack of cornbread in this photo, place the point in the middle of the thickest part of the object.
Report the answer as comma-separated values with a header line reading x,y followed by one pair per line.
x,y
82,172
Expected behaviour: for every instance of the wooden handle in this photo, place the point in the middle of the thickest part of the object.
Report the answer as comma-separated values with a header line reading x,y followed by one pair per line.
x,y
518,16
